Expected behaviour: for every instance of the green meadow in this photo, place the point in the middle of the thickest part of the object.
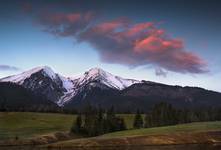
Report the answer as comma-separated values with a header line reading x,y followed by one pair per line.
x,y
28,124
181,128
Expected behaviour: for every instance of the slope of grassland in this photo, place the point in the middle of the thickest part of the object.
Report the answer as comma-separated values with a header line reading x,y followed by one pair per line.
x,y
27,124
192,133
182,128
44,128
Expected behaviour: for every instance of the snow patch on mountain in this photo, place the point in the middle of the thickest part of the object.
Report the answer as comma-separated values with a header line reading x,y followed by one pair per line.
x,y
68,84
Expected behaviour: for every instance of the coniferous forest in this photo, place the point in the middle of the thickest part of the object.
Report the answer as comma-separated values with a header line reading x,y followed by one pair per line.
x,y
96,121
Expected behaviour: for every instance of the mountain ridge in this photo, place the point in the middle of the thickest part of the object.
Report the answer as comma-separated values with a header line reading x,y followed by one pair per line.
x,y
68,87
101,88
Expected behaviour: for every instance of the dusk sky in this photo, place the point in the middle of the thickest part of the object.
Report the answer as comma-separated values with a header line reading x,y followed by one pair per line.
x,y
175,42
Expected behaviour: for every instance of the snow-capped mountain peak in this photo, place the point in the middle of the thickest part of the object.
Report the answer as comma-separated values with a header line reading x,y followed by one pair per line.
x,y
60,89
44,80
95,72
47,71
110,80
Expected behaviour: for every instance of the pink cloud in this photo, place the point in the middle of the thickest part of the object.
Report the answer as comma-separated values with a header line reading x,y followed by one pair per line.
x,y
155,44
108,27
121,41
138,28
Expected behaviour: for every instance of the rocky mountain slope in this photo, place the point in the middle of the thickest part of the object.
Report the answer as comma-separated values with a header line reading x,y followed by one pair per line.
x,y
14,97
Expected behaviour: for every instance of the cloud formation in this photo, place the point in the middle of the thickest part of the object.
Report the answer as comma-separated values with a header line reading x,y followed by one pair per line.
x,y
61,24
121,41
160,72
8,68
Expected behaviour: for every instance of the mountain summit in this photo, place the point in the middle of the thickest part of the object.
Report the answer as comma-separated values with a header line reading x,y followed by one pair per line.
x,y
106,78
47,71
44,81
60,89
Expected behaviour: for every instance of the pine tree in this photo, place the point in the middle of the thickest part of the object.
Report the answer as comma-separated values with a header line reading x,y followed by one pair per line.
x,y
138,120
90,120
100,121
110,122
77,126
148,121
119,124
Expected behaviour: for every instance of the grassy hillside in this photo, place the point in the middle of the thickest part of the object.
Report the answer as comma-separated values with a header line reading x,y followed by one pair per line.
x,y
29,125
192,133
25,124
182,128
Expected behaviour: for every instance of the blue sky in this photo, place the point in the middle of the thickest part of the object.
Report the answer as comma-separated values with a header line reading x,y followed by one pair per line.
x,y
25,43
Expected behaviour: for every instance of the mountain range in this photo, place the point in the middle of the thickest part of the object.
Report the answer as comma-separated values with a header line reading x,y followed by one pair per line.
x,y
99,87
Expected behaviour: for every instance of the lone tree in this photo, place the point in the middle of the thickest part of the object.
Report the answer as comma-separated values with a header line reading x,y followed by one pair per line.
x,y
138,120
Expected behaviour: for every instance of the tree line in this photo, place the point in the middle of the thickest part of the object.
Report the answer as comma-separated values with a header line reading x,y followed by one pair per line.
x,y
164,114
96,121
